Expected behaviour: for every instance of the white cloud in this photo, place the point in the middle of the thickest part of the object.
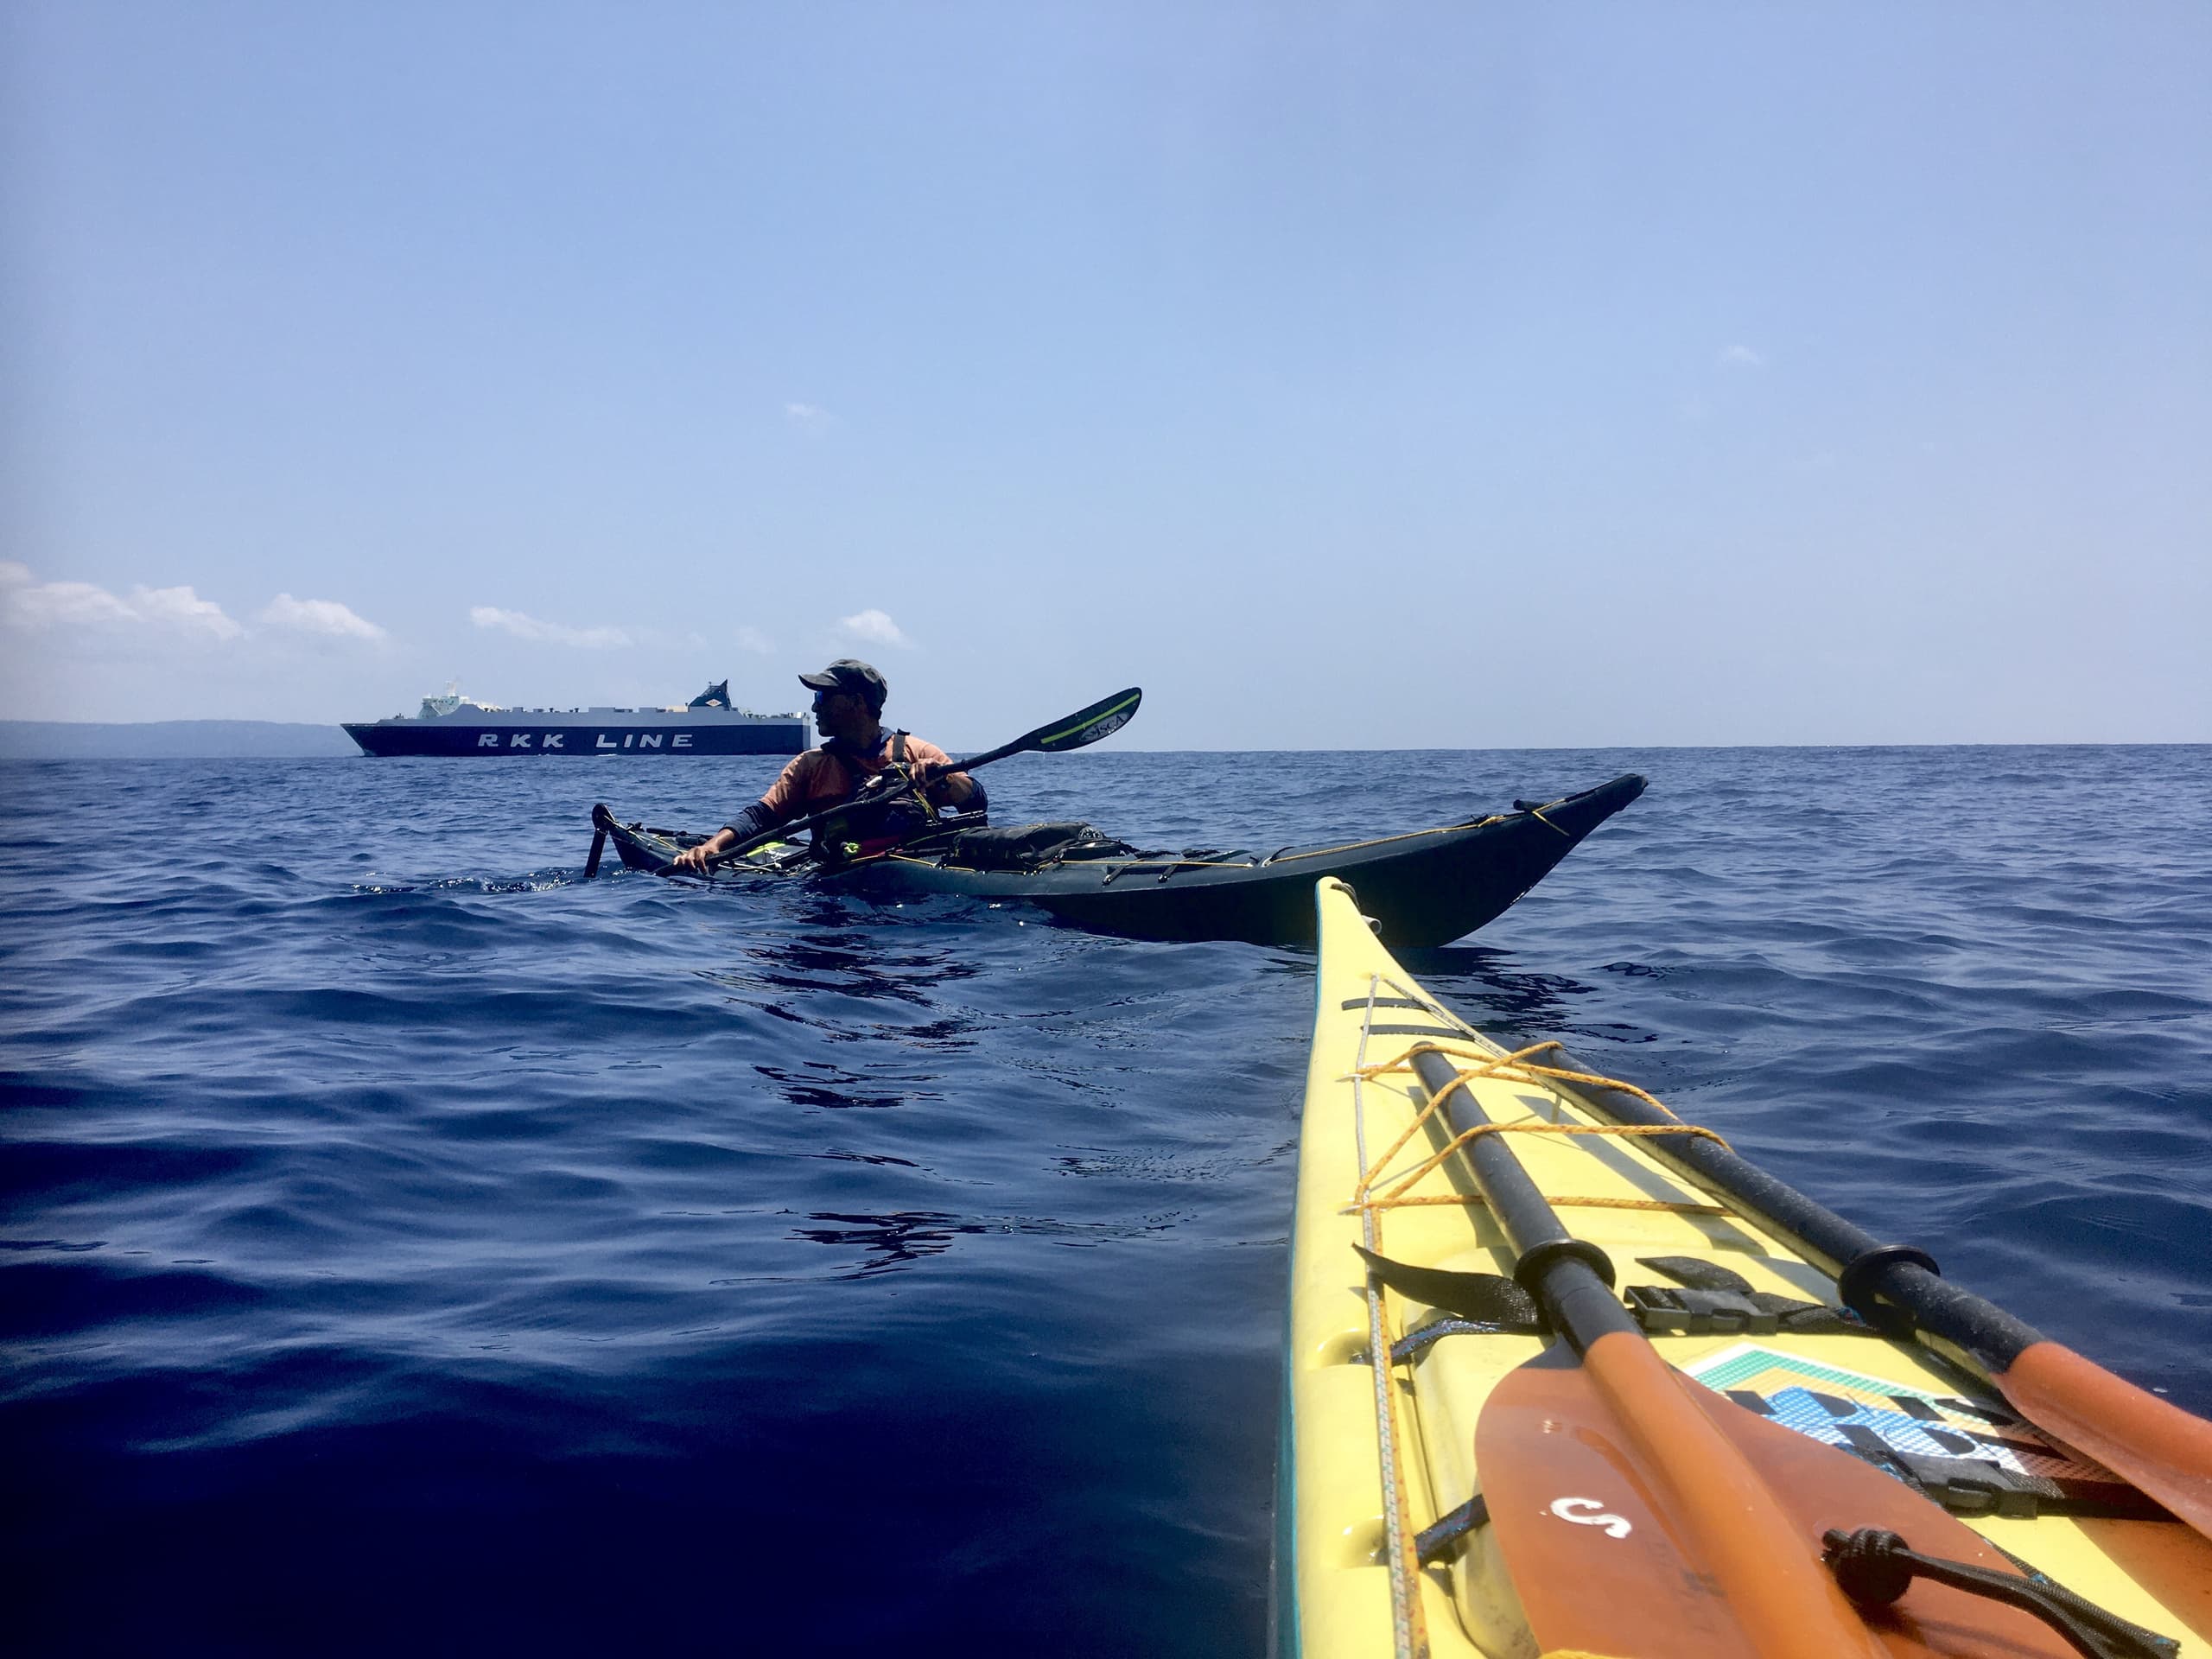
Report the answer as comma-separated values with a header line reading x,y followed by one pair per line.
x,y
753,641
872,627
1739,357
39,606
182,609
325,616
64,604
809,418
524,626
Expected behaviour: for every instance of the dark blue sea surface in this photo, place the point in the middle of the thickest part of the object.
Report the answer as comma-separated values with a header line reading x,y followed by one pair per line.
x,y
408,1245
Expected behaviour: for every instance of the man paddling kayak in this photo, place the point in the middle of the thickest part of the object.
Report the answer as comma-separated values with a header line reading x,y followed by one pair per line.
x,y
849,699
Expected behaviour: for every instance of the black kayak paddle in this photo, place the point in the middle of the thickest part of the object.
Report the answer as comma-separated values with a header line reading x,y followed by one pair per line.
x,y
1079,730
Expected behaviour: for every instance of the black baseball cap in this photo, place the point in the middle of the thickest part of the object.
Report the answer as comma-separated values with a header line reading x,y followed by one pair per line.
x,y
847,674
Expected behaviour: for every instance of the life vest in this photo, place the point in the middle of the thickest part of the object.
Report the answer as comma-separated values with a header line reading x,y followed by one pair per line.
x,y
878,825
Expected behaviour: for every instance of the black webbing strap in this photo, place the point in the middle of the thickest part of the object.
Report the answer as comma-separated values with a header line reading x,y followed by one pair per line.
x,y
1438,1539
1718,1300
1494,1302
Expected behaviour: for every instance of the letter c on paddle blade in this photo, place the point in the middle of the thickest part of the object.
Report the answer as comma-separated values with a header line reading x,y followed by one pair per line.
x,y
1589,1512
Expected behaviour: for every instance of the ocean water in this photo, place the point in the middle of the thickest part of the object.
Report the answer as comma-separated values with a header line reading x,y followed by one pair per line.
x,y
410,1245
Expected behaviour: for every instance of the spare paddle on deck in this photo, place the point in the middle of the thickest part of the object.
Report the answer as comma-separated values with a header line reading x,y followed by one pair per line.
x,y
1079,730
2150,1442
1638,1512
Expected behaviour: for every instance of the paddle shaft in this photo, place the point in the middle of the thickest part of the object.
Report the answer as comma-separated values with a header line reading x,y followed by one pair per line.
x,y
1728,1519
1571,1279
2164,1451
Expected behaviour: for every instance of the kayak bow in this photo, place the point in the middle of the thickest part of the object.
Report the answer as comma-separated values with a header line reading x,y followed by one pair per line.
x,y
1718,1457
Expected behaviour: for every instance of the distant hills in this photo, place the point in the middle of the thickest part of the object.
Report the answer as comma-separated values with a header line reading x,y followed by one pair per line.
x,y
170,739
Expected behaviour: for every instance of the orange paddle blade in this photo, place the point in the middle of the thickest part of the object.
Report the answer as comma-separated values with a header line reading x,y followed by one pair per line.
x,y
1639,1513
2163,1450
1631,1524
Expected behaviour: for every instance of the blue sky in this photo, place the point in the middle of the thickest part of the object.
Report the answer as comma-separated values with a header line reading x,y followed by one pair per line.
x,y
1347,376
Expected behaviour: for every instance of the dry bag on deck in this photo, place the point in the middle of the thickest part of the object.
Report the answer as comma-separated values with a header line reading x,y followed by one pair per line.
x,y
1029,847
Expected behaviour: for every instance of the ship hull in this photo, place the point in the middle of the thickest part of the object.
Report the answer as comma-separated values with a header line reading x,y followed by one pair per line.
x,y
556,736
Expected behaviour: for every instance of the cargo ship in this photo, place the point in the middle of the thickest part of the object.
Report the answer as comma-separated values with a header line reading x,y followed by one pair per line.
x,y
709,724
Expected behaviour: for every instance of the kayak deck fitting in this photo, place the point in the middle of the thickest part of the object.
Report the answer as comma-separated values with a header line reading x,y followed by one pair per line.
x,y
1406,1521
1426,887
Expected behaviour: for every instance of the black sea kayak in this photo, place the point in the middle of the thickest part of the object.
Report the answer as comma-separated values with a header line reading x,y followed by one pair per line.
x,y
1424,887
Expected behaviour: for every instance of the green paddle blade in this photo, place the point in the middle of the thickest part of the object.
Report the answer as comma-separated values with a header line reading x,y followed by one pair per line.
x,y
1102,719
1086,726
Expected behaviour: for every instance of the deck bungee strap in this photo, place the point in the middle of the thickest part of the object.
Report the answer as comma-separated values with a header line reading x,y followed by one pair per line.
x,y
1535,810
1518,1067
1475,1200
1167,867
1511,1068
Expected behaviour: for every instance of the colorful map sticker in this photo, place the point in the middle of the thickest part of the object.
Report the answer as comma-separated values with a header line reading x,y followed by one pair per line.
x,y
1843,1407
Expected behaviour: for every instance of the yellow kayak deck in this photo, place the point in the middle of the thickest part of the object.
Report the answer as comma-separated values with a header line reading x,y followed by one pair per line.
x,y
1374,1456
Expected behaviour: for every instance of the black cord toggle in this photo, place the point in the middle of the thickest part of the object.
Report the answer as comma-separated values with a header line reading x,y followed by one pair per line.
x,y
1875,1567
